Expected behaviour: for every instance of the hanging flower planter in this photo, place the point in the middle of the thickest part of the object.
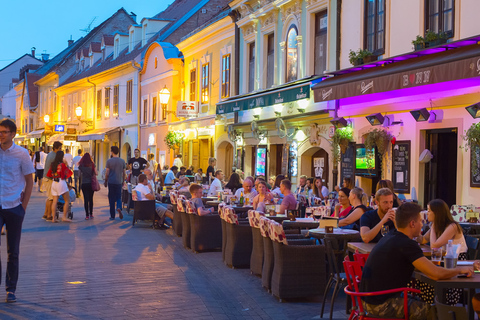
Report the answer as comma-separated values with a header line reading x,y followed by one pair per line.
x,y
341,138
472,142
173,139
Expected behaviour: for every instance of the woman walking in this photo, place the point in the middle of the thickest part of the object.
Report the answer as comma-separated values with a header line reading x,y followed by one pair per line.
x,y
59,173
87,170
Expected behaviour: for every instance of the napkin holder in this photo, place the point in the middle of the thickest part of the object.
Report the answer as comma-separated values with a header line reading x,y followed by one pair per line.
x,y
328,229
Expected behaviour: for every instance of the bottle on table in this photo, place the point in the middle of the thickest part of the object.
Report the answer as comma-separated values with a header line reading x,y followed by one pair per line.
x,y
241,199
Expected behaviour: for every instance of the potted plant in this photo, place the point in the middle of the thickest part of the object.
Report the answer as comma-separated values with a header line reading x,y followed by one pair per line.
x,y
418,43
472,142
360,57
341,138
433,39
173,139
378,138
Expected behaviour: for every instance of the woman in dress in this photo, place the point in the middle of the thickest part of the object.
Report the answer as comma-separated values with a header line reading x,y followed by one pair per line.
x,y
59,173
87,170
261,199
342,209
234,183
358,200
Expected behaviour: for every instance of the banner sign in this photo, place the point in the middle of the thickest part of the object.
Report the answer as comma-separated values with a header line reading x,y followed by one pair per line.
x,y
187,109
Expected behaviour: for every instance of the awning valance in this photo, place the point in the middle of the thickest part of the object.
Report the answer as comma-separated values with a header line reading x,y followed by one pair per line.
x,y
193,123
56,137
450,65
287,93
35,134
96,134
19,137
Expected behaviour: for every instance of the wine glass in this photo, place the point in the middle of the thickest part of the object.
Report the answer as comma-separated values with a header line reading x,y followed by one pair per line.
x,y
385,230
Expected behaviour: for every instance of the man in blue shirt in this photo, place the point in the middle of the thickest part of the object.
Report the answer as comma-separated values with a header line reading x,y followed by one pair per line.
x,y
170,177
16,184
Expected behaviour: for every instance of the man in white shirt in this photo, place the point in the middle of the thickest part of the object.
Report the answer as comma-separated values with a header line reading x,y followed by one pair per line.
x,y
69,160
178,161
145,192
77,177
170,177
216,184
41,168
248,190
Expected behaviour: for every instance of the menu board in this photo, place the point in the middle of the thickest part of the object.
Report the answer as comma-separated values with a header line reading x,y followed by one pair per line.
x,y
475,167
347,163
401,167
261,161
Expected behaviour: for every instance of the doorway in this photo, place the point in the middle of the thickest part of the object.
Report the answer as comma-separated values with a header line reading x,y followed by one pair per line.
x,y
441,171
320,166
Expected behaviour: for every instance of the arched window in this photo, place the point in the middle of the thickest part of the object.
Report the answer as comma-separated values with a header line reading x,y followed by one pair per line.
x,y
292,53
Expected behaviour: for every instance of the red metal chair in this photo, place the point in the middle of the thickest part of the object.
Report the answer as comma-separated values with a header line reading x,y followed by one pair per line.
x,y
353,272
361,257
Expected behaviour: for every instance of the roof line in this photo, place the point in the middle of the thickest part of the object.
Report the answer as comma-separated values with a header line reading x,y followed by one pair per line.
x,y
26,54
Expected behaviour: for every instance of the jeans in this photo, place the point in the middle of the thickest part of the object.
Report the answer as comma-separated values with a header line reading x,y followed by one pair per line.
x,y
13,219
114,196
78,180
88,198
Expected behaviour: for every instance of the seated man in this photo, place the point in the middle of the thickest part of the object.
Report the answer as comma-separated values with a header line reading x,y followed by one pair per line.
x,y
391,264
372,221
216,184
168,207
170,177
183,184
248,190
196,192
289,202
145,192
183,172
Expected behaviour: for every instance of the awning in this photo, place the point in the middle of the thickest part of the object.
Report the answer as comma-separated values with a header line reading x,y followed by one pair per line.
x,y
96,134
56,137
287,93
450,65
35,134
19,137
192,123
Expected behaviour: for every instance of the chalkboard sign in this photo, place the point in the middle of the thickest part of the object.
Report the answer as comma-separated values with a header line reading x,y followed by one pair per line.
x,y
401,167
347,164
475,167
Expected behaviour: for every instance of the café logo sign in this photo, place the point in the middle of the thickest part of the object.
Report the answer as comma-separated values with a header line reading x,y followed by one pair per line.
x,y
326,93
416,78
279,99
364,87
301,95
187,109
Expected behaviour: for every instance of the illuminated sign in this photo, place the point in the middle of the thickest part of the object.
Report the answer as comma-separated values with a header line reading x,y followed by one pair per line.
x,y
59,128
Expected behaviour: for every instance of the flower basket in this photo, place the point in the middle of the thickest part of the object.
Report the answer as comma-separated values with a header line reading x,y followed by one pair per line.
x,y
341,138
378,138
472,142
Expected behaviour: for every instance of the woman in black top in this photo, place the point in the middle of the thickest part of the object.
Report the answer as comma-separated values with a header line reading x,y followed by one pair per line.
x,y
388,184
211,168
87,170
234,183
358,200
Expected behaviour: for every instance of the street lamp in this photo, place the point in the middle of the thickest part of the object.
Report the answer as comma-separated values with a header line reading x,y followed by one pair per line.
x,y
78,111
46,118
164,97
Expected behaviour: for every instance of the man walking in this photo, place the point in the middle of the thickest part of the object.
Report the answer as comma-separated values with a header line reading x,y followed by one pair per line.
x,y
57,146
137,165
40,166
76,174
16,184
114,177
69,159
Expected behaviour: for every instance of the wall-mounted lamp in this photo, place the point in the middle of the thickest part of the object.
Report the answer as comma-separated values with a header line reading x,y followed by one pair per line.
x,y
164,97
375,119
78,113
46,118
301,109
422,115
256,116
474,110
278,113
339,122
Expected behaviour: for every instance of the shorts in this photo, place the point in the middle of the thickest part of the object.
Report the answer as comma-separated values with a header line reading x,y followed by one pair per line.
x,y
48,187
59,188
39,173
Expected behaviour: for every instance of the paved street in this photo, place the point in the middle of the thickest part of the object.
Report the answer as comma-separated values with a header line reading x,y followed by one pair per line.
x,y
105,269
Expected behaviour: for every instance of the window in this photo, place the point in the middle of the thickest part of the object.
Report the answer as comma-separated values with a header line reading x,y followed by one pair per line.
x,y
226,76
193,84
129,95
115,100
99,104
145,110
292,54
205,82
31,124
439,16
107,102
62,108
270,60
321,25
156,62
251,67
154,109
374,40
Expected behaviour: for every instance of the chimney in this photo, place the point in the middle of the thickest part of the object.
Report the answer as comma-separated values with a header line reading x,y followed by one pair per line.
x,y
33,52
133,16
70,42
45,57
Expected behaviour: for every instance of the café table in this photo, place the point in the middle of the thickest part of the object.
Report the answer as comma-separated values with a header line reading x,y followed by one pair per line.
x,y
467,226
277,218
213,203
363,247
300,223
339,233
205,199
462,283
242,211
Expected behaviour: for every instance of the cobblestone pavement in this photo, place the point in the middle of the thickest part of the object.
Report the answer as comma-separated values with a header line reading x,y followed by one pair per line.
x,y
102,269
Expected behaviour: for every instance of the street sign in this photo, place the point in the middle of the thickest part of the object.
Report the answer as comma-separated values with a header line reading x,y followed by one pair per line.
x,y
59,128
71,131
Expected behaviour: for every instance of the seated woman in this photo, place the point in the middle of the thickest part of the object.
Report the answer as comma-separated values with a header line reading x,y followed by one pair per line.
x,y
276,186
262,197
318,189
196,191
234,183
342,209
182,185
443,228
358,200
389,184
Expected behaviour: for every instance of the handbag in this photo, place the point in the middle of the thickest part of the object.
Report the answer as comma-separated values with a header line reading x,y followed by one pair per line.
x,y
95,184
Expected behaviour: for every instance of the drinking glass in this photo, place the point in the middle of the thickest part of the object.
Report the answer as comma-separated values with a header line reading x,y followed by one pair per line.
x,y
385,230
437,256
247,201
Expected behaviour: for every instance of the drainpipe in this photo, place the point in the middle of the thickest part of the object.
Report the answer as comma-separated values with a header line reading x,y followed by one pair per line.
x,y
94,117
234,16
139,103
338,51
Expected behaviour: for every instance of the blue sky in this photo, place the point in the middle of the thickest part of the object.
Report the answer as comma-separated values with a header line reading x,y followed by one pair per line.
x,y
47,25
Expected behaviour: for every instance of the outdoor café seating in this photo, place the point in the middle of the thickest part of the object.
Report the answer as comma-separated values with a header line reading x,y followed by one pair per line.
x,y
205,231
181,206
177,218
144,210
256,258
238,247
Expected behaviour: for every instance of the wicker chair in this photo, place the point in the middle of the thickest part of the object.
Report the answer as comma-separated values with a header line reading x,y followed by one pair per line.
x,y
185,223
224,230
205,231
238,247
256,259
298,268
177,217
144,210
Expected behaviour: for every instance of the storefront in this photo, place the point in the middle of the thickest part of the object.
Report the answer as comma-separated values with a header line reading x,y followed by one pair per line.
x,y
98,142
419,101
